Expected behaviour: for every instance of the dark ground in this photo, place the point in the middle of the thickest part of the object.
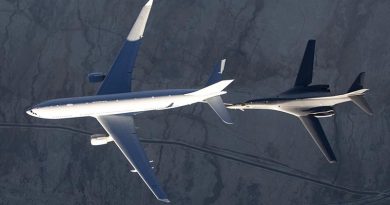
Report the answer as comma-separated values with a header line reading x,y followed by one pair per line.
x,y
48,47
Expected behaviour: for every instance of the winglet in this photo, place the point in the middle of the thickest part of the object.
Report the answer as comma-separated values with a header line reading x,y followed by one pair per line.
x,y
138,28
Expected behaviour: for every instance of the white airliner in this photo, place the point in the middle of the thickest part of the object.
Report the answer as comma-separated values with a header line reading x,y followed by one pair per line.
x,y
115,104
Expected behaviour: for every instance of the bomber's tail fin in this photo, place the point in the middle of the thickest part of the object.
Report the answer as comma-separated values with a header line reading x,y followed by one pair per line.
x,y
356,92
358,83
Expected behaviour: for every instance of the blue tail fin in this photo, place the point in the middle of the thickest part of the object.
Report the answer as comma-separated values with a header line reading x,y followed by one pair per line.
x,y
216,76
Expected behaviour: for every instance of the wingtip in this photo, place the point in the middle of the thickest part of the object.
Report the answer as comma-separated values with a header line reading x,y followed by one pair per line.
x,y
331,159
229,123
370,113
137,31
149,3
165,200
226,119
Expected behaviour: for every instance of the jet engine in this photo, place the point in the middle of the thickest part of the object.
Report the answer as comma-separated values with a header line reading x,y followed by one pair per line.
x,y
324,114
96,77
100,139
321,112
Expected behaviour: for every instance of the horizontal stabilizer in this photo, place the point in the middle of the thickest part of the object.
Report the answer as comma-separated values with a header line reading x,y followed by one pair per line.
x,y
218,106
361,103
214,89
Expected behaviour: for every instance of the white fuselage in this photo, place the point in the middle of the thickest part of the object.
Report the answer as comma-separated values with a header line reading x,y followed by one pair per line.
x,y
294,106
134,102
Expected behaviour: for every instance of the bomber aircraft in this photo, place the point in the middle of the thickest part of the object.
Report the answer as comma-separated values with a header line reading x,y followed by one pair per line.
x,y
115,104
310,102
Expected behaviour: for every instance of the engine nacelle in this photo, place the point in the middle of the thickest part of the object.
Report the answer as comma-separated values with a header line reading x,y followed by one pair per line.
x,y
324,114
100,139
319,112
96,77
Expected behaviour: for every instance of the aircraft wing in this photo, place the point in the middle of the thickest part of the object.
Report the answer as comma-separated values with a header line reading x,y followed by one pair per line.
x,y
121,128
305,73
118,79
313,126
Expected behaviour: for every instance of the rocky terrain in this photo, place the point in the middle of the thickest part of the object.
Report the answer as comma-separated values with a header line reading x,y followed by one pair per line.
x,y
47,47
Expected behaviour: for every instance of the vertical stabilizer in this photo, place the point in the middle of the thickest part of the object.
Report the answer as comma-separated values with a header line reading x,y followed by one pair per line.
x,y
212,95
305,74
358,83
216,76
213,91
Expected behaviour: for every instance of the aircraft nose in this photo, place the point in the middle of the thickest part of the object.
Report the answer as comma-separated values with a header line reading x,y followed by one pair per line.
x,y
234,106
31,112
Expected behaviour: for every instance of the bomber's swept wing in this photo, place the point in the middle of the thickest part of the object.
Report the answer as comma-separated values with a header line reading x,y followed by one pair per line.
x,y
305,73
313,126
121,128
118,79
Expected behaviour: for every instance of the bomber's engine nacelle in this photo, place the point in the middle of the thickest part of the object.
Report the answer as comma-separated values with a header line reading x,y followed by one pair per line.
x,y
100,139
324,114
96,77
319,112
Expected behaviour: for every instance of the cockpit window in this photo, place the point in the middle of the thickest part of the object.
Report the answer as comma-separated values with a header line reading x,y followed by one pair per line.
x,y
33,112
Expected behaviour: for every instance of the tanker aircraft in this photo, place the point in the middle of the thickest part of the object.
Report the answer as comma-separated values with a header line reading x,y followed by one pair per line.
x,y
115,104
